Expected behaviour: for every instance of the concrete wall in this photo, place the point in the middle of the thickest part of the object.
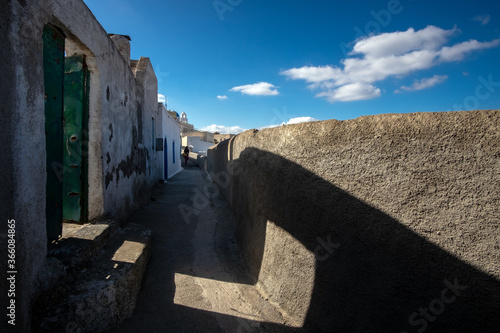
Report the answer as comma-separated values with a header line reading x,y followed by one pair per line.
x,y
131,163
8,210
204,136
186,128
122,162
171,132
385,223
222,137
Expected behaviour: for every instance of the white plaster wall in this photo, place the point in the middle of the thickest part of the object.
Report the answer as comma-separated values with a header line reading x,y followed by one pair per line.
x,y
199,146
24,104
172,132
123,164
122,168
148,92
108,73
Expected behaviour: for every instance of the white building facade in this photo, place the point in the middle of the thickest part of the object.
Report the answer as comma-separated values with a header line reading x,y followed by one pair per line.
x,y
196,144
171,144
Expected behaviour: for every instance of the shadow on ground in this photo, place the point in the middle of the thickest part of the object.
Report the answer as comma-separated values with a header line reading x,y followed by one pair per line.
x,y
382,278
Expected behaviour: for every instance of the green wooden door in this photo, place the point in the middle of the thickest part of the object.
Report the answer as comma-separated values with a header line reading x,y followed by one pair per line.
x,y
75,140
53,62
66,132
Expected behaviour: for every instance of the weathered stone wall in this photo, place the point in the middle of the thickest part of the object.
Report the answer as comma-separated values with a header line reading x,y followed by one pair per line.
x,y
122,161
7,166
382,223
130,160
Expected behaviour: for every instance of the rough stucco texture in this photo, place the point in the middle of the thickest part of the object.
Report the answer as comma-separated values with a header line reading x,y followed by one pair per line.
x,y
134,162
381,223
24,128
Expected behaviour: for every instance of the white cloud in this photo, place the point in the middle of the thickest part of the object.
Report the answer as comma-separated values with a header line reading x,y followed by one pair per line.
x,y
458,51
483,19
299,120
424,83
370,70
162,98
313,74
222,97
375,58
296,120
257,89
351,92
223,129
237,129
401,42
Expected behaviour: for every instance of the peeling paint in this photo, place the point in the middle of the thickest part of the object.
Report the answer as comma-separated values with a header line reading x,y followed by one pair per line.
x,y
139,121
136,161
111,130
108,178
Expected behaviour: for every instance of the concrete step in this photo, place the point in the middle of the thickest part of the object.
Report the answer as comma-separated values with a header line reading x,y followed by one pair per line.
x,y
103,294
80,243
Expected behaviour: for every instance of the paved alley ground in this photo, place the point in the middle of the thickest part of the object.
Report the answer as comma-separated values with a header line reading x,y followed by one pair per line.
x,y
194,282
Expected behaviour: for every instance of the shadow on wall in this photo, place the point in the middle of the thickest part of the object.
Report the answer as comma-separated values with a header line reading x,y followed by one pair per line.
x,y
370,272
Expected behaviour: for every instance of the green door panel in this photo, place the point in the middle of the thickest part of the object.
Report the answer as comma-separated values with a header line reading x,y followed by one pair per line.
x,y
53,62
75,140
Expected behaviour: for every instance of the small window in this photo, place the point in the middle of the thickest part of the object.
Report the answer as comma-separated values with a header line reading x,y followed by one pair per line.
x,y
173,152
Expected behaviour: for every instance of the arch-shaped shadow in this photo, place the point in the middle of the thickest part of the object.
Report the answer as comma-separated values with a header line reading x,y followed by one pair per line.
x,y
382,276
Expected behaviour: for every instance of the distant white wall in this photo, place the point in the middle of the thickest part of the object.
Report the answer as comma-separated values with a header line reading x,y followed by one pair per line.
x,y
199,146
171,145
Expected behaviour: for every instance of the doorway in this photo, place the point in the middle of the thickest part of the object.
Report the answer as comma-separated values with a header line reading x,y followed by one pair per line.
x,y
165,160
66,82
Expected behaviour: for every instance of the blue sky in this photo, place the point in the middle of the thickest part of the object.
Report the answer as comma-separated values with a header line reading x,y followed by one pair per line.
x,y
242,64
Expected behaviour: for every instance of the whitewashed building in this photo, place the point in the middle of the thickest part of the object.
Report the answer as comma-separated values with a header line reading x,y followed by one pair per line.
x,y
171,143
196,144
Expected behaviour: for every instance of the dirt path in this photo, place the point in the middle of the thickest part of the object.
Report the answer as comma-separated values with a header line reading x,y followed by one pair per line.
x,y
194,282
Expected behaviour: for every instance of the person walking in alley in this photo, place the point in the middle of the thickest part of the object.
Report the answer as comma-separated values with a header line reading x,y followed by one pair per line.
x,y
186,155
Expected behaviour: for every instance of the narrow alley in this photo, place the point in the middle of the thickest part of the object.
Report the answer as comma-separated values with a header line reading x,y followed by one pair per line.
x,y
298,211
194,282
